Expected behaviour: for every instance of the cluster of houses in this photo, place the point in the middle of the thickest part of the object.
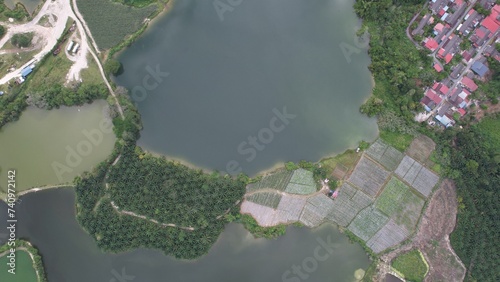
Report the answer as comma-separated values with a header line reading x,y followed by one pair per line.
x,y
460,36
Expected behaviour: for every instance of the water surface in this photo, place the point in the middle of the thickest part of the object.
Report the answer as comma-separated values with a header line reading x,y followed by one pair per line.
x,y
47,219
52,147
226,77
30,5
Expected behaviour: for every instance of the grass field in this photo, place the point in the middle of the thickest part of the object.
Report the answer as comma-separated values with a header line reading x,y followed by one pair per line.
x,y
24,269
111,22
411,265
397,140
348,159
52,71
91,74
390,199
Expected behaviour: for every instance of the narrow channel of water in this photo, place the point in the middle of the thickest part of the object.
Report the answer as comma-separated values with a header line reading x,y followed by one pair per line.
x,y
47,219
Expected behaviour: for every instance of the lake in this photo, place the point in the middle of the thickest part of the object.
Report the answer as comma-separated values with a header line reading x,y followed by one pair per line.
x,y
262,83
47,219
30,5
52,147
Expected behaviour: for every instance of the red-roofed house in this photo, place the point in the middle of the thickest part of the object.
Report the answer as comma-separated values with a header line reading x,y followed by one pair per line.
x,y
466,55
439,27
461,111
433,96
469,83
438,68
444,89
431,44
435,86
448,57
490,24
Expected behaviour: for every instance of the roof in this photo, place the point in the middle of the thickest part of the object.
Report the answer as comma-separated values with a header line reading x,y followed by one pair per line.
x,y
438,68
448,57
461,111
444,120
466,55
439,27
431,44
479,68
26,71
469,83
433,96
490,24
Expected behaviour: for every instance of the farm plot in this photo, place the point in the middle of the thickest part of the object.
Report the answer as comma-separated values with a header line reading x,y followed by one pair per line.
x,y
421,148
277,180
386,155
419,177
409,210
290,208
367,223
389,201
301,182
265,216
110,22
425,181
389,236
346,206
369,176
316,209
268,199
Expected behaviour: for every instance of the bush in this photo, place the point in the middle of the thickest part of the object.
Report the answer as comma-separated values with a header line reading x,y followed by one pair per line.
x,y
113,67
22,40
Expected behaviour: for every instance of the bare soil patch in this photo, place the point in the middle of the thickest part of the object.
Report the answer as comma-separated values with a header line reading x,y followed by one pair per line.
x,y
421,148
432,238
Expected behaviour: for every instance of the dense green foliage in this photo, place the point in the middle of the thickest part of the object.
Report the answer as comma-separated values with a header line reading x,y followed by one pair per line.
x,y
2,31
161,190
136,3
258,231
398,67
491,90
57,95
411,266
474,163
111,22
22,40
18,13
113,67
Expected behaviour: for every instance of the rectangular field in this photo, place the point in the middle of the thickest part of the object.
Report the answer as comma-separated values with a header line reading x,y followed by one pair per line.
x,y
390,199
316,210
367,223
277,180
389,236
302,182
386,155
368,176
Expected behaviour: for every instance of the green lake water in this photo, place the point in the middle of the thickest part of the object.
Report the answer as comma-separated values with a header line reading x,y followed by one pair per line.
x,y
52,147
47,219
206,87
24,271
